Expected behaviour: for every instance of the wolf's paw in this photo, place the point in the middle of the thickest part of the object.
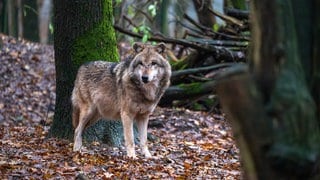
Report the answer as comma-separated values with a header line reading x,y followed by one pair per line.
x,y
133,156
147,154
76,147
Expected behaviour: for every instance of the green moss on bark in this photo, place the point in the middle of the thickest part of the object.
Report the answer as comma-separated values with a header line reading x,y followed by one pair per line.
x,y
99,42
193,88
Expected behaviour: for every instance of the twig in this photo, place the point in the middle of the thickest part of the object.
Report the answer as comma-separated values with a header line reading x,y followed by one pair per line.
x,y
203,28
190,28
199,78
196,35
222,43
227,18
209,31
177,74
145,14
142,6
129,20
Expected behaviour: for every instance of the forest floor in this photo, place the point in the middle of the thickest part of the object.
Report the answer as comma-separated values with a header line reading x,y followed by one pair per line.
x,y
188,144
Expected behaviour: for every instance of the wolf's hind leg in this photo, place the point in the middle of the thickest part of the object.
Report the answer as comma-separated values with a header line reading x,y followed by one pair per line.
x,y
86,115
142,123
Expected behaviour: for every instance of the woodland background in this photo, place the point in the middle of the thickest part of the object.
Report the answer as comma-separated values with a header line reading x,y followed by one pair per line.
x,y
256,59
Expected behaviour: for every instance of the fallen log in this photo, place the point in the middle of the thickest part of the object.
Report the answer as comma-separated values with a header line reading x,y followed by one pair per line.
x,y
239,14
177,74
187,91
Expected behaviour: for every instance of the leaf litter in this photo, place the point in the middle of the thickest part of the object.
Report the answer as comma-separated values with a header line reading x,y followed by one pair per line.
x,y
186,144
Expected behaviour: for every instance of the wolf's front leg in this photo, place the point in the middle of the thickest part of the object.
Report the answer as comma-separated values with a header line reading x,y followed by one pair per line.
x,y
78,138
127,123
142,123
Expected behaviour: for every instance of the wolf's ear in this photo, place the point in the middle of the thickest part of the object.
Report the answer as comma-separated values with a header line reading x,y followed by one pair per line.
x,y
138,47
161,48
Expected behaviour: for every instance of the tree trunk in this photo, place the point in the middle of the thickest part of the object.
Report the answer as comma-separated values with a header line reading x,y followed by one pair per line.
x,y
204,16
3,16
10,10
272,107
83,32
44,9
162,17
30,20
315,65
20,18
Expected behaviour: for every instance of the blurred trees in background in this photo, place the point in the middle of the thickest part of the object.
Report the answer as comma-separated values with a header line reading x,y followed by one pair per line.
x,y
28,19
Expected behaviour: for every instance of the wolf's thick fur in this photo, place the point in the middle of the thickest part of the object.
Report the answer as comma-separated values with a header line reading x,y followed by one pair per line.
x,y
129,90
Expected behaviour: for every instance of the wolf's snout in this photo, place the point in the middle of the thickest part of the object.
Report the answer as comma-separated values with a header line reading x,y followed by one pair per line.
x,y
145,79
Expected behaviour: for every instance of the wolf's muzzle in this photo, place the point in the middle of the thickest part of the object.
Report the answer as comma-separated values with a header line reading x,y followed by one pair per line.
x,y
145,79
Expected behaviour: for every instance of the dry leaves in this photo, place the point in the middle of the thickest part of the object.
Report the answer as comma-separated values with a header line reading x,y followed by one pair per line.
x,y
27,80
186,144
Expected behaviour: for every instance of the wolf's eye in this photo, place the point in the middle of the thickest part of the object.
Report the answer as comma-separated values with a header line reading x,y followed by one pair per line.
x,y
154,63
140,64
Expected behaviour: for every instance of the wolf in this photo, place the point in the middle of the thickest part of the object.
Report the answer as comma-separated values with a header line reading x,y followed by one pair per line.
x,y
128,90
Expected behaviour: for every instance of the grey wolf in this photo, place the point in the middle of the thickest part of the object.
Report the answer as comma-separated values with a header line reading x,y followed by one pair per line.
x,y
128,90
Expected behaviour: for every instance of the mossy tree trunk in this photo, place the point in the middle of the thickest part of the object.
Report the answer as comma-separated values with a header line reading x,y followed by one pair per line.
x,y
83,31
274,105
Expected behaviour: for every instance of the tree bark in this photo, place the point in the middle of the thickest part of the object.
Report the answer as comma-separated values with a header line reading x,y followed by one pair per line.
x,y
83,32
315,59
10,10
272,107
162,17
20,18
44,9
30,21
204,16
243,105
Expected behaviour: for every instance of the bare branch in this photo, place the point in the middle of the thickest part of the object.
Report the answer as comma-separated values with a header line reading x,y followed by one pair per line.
x,y
177,74
227,18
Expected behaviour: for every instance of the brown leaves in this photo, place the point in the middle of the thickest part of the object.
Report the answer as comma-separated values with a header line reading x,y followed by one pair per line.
x,y
205,151
199,145
27,80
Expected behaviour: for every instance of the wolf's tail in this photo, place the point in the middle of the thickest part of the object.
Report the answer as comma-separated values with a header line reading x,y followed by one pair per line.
x,y
75,115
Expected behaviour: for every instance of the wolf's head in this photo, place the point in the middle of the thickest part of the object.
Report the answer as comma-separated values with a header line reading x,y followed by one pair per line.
x,y
149,64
